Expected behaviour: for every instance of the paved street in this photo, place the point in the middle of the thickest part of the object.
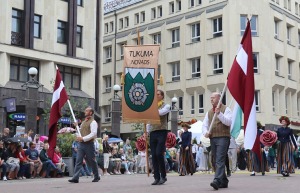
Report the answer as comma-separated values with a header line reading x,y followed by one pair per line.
x,y
140,183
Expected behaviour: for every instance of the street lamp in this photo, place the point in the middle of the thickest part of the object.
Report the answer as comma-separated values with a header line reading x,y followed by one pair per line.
x,y
116,112
32,100
174,116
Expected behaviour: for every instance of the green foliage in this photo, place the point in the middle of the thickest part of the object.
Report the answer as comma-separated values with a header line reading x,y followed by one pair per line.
x,y
138,127
64,142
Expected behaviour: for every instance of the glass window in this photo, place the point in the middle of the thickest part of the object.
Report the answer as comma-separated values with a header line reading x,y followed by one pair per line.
x,y
153,13
192,105
217,27
276,25
107,80
137,18
80,2
121,24
61,32
175,71
175,38
160,11
126,21
178,3
180,105
192,3
196,67
108,53
255,62
257,100
71,76
196,32
16,21
37,26
253,24
157,38
79,36
143,17
218,64
19,68
201,103
171,7
288,34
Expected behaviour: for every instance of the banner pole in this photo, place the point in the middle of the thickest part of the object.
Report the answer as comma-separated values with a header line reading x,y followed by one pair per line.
x,y
219,103
147,155
71,109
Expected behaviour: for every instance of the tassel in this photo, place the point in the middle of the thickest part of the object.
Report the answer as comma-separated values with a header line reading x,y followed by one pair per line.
x,y
122,79
161,80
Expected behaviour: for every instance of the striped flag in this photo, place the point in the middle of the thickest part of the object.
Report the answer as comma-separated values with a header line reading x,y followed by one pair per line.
x,y
241,86
59,98
236,121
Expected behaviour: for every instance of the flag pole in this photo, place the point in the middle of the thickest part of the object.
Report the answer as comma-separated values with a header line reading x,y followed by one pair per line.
x,y
219,103
71,109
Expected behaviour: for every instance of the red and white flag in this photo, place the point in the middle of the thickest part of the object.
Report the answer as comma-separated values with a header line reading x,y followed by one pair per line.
x,y
241,86
59,98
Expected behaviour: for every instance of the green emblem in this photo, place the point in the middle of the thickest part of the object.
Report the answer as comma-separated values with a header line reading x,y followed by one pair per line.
x,y
139,88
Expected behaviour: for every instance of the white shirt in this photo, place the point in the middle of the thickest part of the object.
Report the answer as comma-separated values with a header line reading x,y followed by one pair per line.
x,y
93,134
224,118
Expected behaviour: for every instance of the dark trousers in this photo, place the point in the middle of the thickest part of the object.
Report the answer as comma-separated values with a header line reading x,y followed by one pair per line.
x,y
158,147
86,151
219,148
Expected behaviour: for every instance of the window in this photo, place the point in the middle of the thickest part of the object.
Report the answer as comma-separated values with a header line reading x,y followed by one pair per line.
x,y
16,21
273,101
180,105
290,69
80,2
217,23
37,26
107,112
137,18
296,8
61,32
175,38
71,76
178,5
276,25
108,54
277,65
255,62
253,24
106,28
171,7
288,33
192,3
19,68
257,100
153,13
201,103
199,2
79,36
218,64
298,39
111,26
121,24
107,80
122,50
192,105
156,38
126,21
196,32
160,11
196,68
16,28
175,71
286,104
158,73
143,17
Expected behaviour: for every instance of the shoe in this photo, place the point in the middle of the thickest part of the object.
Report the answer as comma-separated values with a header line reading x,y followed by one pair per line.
x,y
96,179
263,173
223,186
155,182
4,178
228,173
252,174
162,181
214,185
73,181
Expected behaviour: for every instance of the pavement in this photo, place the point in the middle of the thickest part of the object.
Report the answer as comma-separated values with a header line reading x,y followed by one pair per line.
x,y
239,182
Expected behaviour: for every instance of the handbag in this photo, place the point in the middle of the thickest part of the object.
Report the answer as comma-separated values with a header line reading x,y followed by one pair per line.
x,y
12,160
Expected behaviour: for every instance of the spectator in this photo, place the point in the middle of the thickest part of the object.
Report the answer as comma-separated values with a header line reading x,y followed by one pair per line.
x,y
34,160
124,161
131,161
142,163
39,144
115,162
47,162
127,145
12,161
24,163
106,153
3,165
74,151
58,161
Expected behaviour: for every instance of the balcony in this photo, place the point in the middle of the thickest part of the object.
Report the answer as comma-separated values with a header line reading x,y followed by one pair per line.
x,y
17,39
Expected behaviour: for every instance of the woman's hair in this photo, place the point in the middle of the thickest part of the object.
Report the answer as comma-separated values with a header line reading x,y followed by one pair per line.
x,y
161,93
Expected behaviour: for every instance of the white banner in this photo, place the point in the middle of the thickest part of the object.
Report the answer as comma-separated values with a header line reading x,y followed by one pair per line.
x,y
112,5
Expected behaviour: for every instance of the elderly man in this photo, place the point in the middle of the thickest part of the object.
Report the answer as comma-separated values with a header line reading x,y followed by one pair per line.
x,y
219,138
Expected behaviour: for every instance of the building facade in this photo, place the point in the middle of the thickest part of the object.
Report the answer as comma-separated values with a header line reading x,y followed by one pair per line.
x,y
198,42
45,34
